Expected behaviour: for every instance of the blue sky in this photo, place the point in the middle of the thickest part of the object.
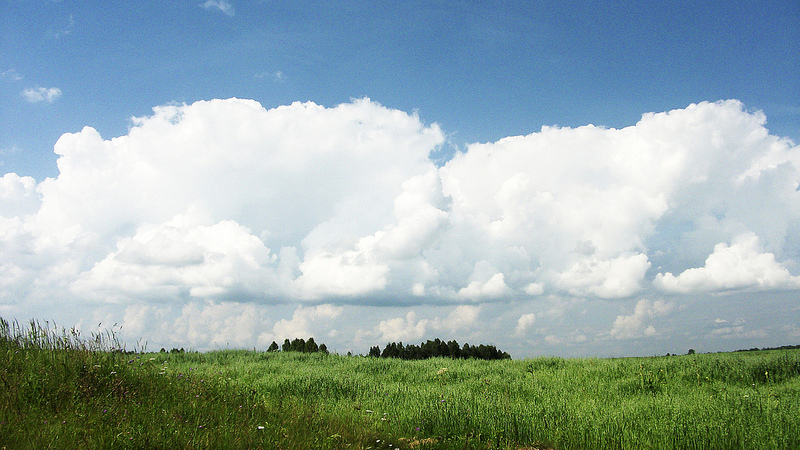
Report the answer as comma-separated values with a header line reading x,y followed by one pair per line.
x,y
483,70
405,171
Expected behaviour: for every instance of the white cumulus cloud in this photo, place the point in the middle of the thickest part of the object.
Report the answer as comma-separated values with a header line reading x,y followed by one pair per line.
x,y
400,329
216,325
639,323
225,201
743,264
41,94
524,323
408,328
303,323
183,256
615,278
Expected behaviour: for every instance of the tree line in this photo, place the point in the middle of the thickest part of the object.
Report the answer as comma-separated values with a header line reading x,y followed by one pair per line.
x,y
438,348
299,345
425,350
782,347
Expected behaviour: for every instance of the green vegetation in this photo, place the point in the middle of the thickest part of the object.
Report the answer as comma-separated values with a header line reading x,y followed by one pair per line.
x,y
62,391
299,345
438,348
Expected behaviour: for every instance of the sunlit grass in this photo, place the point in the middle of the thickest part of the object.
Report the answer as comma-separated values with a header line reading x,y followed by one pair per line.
x,y
62,391
69,392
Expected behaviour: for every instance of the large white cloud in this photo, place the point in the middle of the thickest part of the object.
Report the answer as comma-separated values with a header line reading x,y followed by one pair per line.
x,y
588,211
183,257
737,266
225,201
194,198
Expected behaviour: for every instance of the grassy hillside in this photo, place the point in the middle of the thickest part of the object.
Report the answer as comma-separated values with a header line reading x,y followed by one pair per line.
x,y
61,391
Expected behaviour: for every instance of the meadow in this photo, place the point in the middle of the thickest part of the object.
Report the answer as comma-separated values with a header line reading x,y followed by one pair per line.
x,y
61,390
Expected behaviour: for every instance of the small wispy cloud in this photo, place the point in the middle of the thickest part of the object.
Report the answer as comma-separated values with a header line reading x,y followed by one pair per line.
x,y
9,150
223,6
11,74
278,76
62,29
41,94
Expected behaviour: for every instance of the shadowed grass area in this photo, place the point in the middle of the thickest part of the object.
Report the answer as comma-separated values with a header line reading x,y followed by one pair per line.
x,y
64,391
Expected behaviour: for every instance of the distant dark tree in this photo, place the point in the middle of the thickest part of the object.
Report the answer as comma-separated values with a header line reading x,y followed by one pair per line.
x,y
453,349
273,347
392,350
690,352
297,345
428,349
310,346
438,348
412,352
300,345
375,352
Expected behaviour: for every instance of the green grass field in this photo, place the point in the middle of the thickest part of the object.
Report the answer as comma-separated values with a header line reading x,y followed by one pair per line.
x,y
63,391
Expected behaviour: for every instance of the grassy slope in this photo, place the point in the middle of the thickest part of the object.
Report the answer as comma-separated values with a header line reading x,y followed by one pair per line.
x,y
76,396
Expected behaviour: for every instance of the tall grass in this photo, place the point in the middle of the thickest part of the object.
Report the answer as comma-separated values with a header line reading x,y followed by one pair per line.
x,y
741,400
60,390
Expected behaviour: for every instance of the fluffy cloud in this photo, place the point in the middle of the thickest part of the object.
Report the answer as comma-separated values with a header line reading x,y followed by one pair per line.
x,y
217,325
589,210
524,322
225,202
191,201
615,278
639,323
486,283
18,196
400,329
737,266
40,94
208,325
462,318
301,323
181,257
